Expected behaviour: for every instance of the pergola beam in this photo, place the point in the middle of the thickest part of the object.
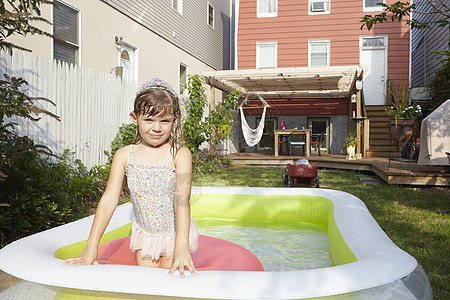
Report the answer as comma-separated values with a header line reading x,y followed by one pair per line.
x,y
336,82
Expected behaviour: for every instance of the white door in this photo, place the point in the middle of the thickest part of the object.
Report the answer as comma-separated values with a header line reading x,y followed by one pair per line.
x,y
373,58
127,62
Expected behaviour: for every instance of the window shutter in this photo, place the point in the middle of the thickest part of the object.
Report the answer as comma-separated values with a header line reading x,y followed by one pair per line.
x,y
66,24
319,54
65,27
267,54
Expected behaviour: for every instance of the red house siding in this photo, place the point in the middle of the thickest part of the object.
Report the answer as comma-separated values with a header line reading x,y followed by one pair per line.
x,y
293,27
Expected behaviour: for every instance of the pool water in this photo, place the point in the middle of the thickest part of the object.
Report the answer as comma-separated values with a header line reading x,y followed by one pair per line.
x,y
278,250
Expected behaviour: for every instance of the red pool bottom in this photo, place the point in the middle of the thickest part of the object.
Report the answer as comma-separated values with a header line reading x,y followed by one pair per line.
x,y
212,254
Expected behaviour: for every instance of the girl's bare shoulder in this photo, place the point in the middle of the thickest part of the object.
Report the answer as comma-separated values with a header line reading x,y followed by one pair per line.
x,y
123,154
183,153
183,159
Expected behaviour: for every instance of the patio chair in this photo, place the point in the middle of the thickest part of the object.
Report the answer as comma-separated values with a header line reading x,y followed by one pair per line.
x,y
317,141
296,140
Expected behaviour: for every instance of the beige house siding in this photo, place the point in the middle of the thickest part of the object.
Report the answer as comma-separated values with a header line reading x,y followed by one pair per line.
x,y
189,30
99,22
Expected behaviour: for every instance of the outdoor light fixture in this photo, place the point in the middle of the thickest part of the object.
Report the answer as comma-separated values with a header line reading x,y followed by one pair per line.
x,y
118,40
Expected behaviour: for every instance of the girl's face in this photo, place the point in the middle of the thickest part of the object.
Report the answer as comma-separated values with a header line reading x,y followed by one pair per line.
x,y
154,130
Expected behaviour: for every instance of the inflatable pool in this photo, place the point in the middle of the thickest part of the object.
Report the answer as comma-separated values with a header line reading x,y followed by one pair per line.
x,y
367,264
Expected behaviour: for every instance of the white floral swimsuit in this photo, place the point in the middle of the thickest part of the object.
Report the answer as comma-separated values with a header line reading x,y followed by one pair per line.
x,y
154,228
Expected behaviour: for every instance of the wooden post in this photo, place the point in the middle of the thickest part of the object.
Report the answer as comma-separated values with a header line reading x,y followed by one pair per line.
x,y
358,135
350,114
366,135
212,101
212,104
358,104
275,143
358,122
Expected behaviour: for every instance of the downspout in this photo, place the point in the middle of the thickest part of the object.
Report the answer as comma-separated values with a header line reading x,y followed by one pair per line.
x,y
410,49
236,27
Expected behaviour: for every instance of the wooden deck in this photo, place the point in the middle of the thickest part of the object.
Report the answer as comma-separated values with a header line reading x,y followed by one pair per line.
x,y
399,172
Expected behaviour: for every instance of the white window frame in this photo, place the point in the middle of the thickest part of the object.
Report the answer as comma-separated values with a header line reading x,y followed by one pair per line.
x,y
213,15
373,8
324,12
266,43
78,52
322,41
180,6
266,15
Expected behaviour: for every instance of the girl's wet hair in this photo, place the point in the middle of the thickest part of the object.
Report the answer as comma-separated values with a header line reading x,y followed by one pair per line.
x,y
156,101
159,100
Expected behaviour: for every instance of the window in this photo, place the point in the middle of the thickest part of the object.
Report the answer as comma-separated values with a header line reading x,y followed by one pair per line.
x,y
266,55
65,27
210,15
374,42
319,53
267,8
371,5
317,7
183,79
178,6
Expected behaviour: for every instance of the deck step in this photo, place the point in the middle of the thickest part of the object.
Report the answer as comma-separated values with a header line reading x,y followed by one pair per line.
x,y
379,132
381,153
381,142
382,147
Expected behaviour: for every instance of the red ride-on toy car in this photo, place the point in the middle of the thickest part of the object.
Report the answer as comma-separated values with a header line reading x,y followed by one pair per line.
x,y
301,174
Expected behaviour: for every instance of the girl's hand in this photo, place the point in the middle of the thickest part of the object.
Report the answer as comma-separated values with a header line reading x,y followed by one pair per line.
x,y
182,258
86,258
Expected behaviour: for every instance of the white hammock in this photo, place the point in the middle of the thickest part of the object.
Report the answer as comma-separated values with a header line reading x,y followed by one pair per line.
x,y
253,136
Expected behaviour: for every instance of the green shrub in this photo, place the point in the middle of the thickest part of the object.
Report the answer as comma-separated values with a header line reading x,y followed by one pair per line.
x,y
207,162
212,129
439,86
125,136
194,126
41,191
37,190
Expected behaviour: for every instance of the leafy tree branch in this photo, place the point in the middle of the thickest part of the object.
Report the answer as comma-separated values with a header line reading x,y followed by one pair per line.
x,y
19,17
216,126
401,12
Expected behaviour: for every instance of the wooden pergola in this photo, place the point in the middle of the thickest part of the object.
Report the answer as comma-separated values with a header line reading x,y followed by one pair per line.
x,y
290,83
316,82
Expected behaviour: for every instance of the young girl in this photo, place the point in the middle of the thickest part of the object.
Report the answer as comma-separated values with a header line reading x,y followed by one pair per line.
x,y
159,173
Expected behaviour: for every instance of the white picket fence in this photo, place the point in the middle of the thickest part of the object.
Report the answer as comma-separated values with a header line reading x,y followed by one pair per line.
x,y
91,105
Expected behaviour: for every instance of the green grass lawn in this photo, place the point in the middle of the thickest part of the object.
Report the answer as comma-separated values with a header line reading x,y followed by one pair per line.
x,y
414,218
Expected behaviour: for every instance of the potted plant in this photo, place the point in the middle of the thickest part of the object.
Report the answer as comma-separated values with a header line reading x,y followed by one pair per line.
x,y
350,143
403,113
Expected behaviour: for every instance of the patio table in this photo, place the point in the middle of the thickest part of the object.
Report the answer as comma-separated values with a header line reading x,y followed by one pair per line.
x,y
281,132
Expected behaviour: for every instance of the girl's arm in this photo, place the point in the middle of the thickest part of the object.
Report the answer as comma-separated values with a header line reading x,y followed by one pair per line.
x,y
105,210
182,256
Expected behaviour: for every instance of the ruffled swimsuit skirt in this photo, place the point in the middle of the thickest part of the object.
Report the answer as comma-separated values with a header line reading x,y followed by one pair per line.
x,y
152,194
